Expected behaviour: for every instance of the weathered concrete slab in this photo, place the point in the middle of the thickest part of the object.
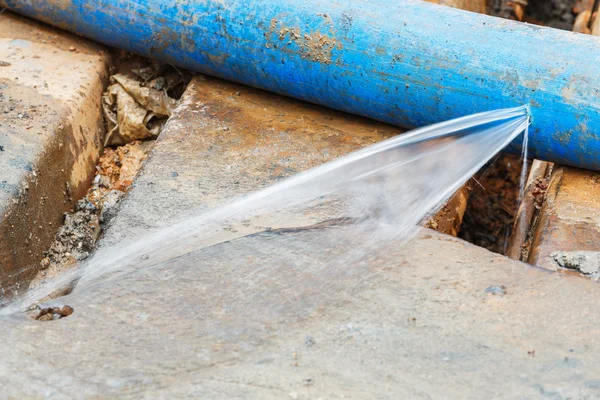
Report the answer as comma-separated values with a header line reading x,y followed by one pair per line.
x,y
226,140
569,220
50,134
419,321
415,323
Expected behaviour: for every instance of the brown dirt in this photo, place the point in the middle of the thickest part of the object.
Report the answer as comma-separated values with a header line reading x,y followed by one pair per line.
x,y
493,204
76,239
554,13
539,195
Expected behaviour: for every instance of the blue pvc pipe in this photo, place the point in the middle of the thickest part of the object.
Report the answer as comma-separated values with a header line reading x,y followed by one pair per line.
x,y
406,62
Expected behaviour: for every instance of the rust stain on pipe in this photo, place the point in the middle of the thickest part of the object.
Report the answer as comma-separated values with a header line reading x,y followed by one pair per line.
x,y
314,46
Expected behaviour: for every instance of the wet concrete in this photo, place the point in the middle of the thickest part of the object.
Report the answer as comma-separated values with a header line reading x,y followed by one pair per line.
x,y
226,140
50,137
421,323
438,318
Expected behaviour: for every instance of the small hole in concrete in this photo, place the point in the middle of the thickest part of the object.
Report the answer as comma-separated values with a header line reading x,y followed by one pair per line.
x,y
53,313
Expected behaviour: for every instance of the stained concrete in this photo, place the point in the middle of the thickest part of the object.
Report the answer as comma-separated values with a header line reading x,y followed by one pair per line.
x,y
422,321
226,140
50,137
569,220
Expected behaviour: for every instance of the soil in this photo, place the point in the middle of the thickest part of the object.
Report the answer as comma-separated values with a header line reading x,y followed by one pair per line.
x,y
76,239
493,204
554,13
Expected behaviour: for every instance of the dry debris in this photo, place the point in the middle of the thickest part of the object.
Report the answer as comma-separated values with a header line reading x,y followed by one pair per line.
x,y
539,192
587,263
139,100
53,313
136,106
82,228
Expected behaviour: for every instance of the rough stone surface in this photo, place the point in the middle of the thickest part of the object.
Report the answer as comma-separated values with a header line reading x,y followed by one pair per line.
x,y
417,321
586,262
50,134
417,325
226,140
569,220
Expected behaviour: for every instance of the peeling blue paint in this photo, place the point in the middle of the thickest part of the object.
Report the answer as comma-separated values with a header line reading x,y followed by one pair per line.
x,y
405,62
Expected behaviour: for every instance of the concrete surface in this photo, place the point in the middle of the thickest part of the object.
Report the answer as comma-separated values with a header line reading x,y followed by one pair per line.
x,y
417,324
228,140
50,134
569,220
438,318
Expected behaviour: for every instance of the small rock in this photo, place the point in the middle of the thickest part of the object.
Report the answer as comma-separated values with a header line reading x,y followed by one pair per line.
x,y
586,262
110,206
496,290
4,64
53,313
72,48
85,205
45,317
309,341
102,181
293,395
66,311
45,263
